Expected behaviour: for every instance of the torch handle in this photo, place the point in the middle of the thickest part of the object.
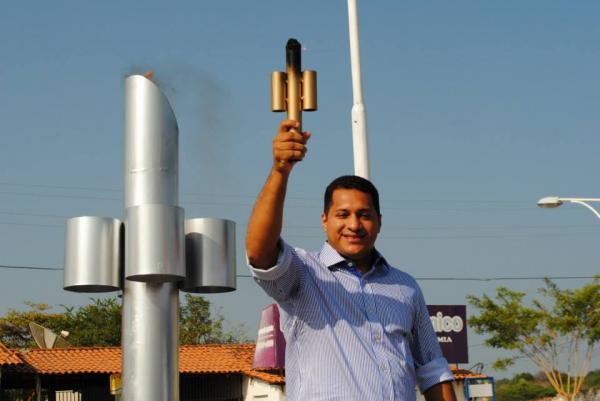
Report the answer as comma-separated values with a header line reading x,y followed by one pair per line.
x,y
294,81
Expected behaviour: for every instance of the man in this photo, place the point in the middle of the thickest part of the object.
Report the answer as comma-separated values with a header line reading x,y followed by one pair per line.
x,y
356,328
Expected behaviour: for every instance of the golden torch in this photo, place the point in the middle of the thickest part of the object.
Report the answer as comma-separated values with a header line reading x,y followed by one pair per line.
x,y
294,90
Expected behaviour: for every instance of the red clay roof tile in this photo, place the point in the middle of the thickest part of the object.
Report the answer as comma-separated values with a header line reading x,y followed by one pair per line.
x,y
8,357
210,358
74,360
461,374
200,359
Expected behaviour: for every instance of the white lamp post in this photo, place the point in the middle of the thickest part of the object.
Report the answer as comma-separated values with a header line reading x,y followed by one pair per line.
x,y
359,112
550,202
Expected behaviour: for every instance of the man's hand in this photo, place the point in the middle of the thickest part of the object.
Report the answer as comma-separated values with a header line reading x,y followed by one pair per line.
x,y
440,392
289,146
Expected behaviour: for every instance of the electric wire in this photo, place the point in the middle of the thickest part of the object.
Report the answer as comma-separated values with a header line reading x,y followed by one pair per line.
x,y
496,278
314,200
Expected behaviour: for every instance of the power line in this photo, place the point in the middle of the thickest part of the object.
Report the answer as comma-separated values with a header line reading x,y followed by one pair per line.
x,y
61,187
317,227
59,196
388,228
316,200
508,278
5,223
29,214
496,278
31,267
474,236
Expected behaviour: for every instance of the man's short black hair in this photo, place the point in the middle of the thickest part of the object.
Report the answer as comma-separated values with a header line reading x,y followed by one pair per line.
x,y
351,182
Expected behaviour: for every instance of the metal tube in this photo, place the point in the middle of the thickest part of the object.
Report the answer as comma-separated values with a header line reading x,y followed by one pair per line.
x,y
150,336
210,255
355,51
309,90
93,254
278,83
151,145
155,243
293,68
38,388
359,113
150,341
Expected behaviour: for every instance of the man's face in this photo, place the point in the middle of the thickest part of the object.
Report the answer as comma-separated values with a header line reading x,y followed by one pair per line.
x,y
352,224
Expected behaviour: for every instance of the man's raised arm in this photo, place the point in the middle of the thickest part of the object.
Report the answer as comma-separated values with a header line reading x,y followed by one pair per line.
x,y
264,226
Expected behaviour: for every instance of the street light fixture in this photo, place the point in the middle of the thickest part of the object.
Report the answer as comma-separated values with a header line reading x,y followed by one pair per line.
x,y
550,202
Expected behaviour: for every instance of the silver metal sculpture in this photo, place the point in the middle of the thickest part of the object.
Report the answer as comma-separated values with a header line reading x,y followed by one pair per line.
x,y
149,263
95,244
210,250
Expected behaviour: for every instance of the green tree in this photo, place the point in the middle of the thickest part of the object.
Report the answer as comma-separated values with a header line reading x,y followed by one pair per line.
x,y
197,326
522,387
563,333
99,324
96,324
14,326
592,380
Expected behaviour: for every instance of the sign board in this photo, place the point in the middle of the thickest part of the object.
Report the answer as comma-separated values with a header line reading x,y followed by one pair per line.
x,y
115,384
270,343
450,325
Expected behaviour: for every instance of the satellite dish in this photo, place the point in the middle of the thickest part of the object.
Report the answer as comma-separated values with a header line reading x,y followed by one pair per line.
x,y
46,338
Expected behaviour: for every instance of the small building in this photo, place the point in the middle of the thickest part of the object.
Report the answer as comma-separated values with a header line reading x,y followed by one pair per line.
x,y
8,358
207,372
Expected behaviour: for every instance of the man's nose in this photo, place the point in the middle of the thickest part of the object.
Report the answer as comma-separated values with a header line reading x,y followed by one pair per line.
x,y
354,223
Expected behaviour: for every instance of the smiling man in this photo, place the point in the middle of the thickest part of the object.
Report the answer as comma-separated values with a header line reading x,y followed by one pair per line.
x,y
356,328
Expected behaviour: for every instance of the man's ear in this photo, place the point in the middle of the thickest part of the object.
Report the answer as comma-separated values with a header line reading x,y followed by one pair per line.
x,y
324,221
380,221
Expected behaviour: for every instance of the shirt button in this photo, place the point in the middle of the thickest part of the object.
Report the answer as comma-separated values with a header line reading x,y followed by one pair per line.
x,y
377,337
384,368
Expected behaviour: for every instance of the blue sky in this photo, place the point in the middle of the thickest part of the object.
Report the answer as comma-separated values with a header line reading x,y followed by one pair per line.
x,y
475,111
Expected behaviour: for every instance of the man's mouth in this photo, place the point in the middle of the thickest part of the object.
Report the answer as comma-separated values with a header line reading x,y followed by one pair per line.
x,y
353,238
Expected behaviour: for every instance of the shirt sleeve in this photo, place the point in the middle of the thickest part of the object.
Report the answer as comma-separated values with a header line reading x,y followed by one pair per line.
x,y
430,364
281,281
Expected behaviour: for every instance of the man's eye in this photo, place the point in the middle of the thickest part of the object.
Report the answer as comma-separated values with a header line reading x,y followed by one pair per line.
x,y
341,215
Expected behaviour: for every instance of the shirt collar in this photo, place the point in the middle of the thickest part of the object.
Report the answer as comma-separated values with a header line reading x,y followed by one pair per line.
x,y
330,257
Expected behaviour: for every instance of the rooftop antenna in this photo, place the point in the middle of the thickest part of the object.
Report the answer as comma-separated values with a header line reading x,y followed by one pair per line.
x,y
46,338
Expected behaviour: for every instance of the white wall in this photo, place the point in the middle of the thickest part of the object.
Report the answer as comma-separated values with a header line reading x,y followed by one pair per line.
x,y
258,390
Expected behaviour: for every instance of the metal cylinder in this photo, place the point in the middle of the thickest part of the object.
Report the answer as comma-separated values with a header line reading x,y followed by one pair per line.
x,y
150,341
93,254
150,336
151,145
210,256
293,68
309,90
155,243
278,89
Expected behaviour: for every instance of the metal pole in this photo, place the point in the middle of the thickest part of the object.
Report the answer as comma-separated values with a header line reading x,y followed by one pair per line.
x,y
38,388
150,338
359,113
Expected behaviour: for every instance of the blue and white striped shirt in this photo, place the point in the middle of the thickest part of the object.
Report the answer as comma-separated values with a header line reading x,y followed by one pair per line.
x,y
348,337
